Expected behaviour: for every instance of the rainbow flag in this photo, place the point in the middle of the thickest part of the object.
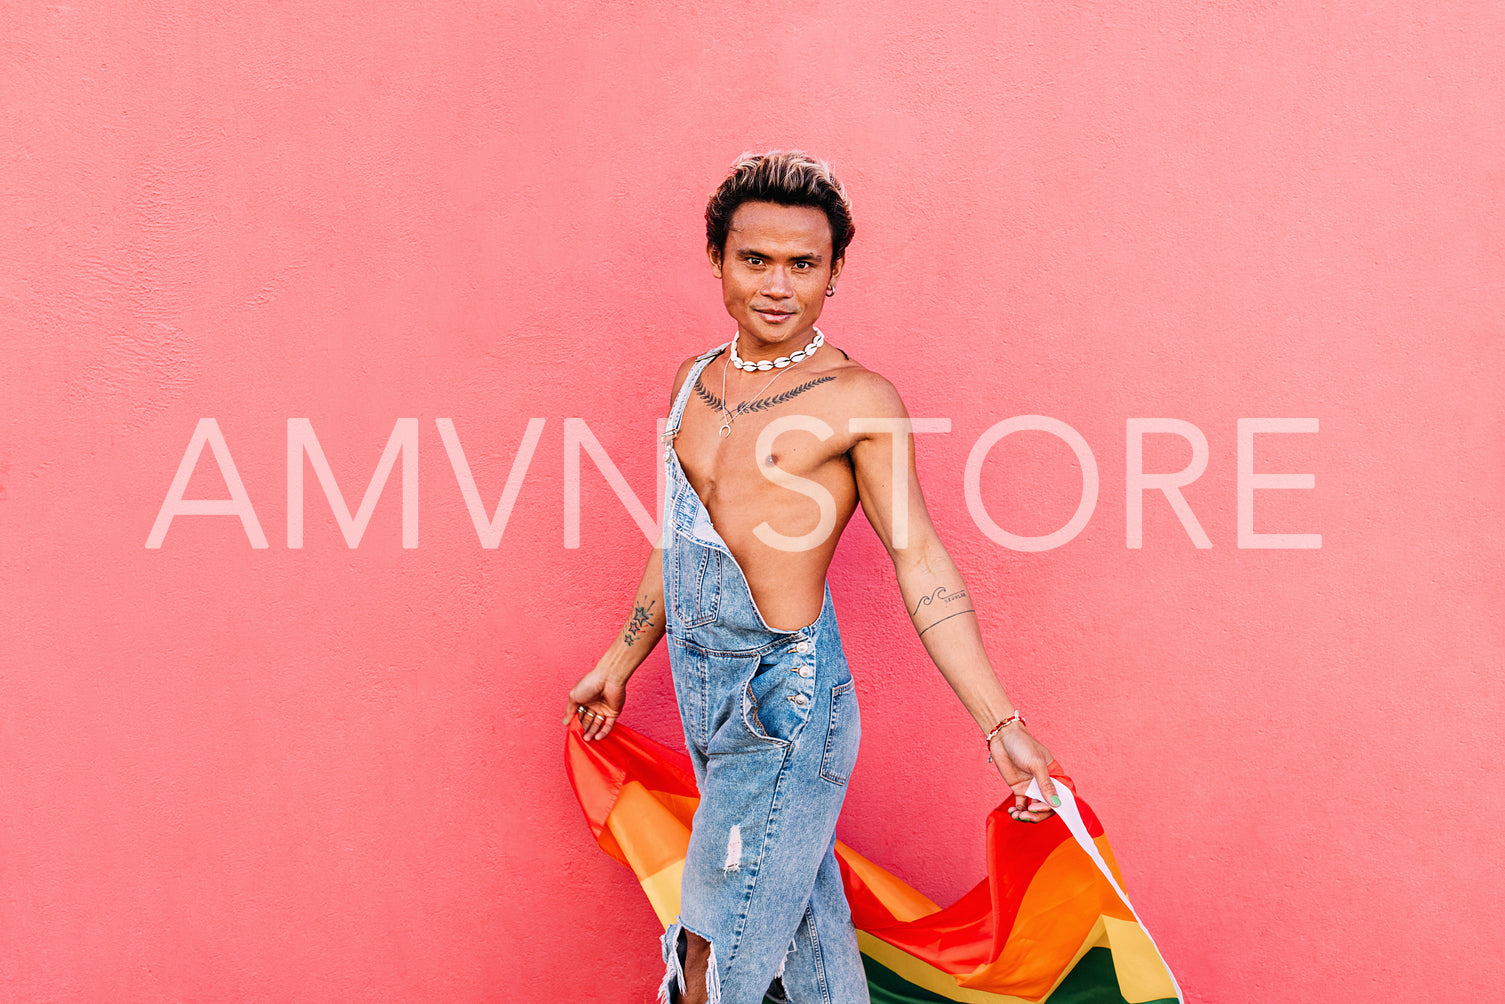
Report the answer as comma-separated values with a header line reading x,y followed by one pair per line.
x,y
1049,923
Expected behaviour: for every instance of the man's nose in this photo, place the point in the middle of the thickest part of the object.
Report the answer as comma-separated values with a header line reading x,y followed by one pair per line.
x,y
777,283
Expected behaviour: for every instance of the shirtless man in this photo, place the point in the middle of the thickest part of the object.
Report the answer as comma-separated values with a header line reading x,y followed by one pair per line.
x,y
765,467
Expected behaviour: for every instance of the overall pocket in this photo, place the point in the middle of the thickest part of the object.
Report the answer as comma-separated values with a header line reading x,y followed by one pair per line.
x,y
843,734
696,582
735,702
776,701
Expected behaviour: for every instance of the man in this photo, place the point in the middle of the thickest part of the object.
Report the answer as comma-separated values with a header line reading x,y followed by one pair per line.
x,y
772,442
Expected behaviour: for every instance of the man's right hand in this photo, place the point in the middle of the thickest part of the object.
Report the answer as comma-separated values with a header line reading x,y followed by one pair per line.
x,y
597,701
598,698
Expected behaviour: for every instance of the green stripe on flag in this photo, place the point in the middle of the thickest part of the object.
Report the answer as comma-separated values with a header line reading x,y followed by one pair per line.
x,y
1091,981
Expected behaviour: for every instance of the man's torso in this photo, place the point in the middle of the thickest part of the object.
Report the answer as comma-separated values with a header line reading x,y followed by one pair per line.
x,y
782,537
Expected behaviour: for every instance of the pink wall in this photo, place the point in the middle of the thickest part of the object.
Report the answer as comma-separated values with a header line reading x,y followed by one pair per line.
x,y
325,774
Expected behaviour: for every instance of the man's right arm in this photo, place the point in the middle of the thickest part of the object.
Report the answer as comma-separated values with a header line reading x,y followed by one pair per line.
x,y
598,698
599,695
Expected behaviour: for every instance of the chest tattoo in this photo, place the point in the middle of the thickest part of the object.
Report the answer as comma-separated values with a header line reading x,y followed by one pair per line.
x,y
714,402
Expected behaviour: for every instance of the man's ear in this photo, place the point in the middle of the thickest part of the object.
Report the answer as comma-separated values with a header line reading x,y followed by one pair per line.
x,y
836,267
714,254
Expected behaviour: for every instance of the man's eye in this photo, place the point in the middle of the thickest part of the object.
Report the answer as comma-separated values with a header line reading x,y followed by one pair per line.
x,y
802,266
755,261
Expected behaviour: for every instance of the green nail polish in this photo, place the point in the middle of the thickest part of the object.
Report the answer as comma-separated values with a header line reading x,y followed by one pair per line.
x,y
1055,800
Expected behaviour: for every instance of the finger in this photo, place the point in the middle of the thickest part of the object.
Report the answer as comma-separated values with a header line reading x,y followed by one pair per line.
x,y
598,723
1047,786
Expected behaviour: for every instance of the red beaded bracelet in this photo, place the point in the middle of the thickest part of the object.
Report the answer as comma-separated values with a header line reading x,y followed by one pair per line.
x,y
1010,720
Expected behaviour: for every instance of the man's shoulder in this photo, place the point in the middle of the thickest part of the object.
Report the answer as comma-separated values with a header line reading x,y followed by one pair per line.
x,y
866,392
685,367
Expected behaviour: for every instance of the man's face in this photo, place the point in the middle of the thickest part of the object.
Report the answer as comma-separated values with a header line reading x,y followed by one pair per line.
x,y
775,271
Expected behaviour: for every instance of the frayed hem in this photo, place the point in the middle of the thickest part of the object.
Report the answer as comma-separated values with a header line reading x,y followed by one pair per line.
x,y
673,973
712,980
664,988
782,995
785,960
672,989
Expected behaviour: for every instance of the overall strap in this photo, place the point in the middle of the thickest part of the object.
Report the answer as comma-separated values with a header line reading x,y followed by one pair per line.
x,y
677,414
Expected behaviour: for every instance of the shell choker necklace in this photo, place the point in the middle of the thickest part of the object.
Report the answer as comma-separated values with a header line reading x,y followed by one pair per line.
x,y
781,363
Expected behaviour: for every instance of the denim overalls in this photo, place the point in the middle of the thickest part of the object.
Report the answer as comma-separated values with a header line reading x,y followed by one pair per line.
x,y
771,723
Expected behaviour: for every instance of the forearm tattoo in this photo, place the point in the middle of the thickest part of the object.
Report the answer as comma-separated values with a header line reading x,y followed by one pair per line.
x,y
714,402
637,622
938,605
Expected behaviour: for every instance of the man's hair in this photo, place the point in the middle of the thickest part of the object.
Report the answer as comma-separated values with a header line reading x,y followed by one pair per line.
x,y
786,178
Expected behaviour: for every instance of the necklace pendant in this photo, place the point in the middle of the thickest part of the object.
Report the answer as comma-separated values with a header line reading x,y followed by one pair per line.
x,y
726,429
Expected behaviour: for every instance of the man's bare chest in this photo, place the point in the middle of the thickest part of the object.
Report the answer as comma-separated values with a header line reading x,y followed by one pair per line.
x,y
741,449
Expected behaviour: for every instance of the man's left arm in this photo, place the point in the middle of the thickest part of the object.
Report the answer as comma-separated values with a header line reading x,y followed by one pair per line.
x,y
935,596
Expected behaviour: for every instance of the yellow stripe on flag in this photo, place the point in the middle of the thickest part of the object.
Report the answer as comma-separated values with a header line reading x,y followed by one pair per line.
x,y
1141,974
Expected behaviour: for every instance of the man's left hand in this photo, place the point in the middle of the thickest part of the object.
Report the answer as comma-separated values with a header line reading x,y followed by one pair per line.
x,y
1020,759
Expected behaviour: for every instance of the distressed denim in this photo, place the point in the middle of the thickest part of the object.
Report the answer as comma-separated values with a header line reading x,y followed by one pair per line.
x,y
771,724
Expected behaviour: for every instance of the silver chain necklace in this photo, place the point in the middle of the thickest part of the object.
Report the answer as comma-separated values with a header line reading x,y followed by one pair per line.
x,y
780,365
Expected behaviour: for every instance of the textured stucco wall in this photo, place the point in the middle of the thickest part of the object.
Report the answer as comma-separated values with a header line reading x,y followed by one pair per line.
x,y
230,773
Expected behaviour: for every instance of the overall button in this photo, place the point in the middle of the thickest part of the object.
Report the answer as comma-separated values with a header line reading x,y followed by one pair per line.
x,y
802,647
807,671
800,699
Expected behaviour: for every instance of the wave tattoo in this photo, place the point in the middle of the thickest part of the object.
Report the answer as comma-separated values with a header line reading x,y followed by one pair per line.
x,y
947,601
938,594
